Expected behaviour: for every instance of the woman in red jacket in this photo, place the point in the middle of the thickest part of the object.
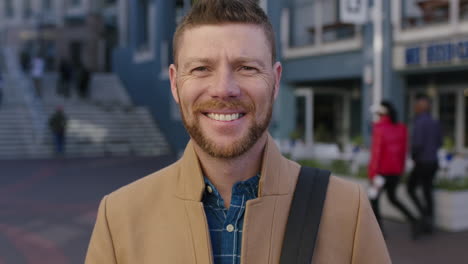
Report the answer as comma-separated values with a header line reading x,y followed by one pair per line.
x,y
388,157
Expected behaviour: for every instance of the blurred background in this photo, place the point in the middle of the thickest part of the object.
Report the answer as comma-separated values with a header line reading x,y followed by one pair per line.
x,y
85,107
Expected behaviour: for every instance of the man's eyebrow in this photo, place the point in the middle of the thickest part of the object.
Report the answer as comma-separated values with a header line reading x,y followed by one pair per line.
x,y
238,60
191,61
241,60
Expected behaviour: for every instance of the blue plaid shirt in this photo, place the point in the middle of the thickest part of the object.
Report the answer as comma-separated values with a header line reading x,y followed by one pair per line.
x,y
226,224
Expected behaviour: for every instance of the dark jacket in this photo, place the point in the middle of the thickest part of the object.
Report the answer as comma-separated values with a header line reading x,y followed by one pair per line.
x,y
58,122
426,138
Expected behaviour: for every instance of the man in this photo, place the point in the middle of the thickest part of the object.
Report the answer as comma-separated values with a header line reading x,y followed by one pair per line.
x,y
65,76
227,199
37,72
58,126
425,142
1,88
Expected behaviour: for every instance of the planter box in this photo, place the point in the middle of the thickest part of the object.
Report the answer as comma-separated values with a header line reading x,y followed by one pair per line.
x,y
451,208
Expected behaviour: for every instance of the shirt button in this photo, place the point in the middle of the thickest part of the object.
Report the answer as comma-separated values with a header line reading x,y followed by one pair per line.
x,y
209,189
230,228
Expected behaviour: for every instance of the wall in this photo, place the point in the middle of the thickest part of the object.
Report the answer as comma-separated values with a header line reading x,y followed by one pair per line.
x,y
144,82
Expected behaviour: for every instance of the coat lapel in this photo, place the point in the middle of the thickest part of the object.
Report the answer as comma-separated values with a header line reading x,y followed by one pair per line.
x,y
190,186
199,232
266,217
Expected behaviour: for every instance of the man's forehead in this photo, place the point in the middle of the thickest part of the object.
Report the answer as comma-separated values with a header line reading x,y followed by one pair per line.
x,y
237,41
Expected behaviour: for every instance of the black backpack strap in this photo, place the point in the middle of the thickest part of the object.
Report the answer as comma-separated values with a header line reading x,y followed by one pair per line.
x,y
304,216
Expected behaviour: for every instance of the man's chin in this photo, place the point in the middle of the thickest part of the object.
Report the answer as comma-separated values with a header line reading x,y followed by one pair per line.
x,y
225,151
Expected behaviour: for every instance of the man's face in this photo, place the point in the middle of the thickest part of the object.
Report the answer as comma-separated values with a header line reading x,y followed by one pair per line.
x,y
421,106
225,84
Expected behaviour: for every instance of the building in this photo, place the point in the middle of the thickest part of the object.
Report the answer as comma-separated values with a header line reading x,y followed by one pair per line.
x,y
79,30
430,51
329,79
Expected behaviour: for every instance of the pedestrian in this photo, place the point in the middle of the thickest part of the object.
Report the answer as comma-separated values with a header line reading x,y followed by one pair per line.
x,y
37,72
1,88
25,61
83,78
426,139
387,162
228,199
65,75
58,127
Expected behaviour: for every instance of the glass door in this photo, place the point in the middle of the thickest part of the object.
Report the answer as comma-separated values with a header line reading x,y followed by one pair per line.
x,y
447,113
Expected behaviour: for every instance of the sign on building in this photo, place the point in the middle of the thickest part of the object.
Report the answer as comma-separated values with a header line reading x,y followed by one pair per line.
x,y
437,53
353,11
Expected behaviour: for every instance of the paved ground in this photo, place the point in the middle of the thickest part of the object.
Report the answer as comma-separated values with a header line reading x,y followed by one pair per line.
x,y
48,208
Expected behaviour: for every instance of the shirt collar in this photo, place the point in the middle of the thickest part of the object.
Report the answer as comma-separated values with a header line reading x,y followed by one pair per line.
x,y
249,188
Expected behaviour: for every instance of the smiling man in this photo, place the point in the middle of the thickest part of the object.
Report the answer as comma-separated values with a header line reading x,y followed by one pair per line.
x,y
228,198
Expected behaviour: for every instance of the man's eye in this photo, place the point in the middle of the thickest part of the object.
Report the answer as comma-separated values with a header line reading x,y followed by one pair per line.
x,y
248,68
200,69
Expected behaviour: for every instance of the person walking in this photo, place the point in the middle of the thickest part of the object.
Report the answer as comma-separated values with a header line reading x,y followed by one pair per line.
x,y
83,78
387,162
426,139
37,72
1,88
58,127
229,198
25,61
65,75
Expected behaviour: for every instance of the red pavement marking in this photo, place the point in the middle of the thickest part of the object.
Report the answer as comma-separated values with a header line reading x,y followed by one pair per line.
x,y
34,248
28,182
32,208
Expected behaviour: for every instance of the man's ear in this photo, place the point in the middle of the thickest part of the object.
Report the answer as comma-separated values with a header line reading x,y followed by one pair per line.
x,y
277,71
173,79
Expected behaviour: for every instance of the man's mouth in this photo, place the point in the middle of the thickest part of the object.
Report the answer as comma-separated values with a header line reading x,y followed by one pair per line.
x,y
225,117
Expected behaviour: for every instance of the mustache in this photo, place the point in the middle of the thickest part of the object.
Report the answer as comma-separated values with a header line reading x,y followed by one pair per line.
x,y
217,104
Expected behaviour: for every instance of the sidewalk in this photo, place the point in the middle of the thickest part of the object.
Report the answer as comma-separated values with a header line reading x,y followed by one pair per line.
x,y
48,208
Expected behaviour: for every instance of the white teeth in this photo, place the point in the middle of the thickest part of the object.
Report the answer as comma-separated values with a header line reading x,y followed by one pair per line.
x,y
221,117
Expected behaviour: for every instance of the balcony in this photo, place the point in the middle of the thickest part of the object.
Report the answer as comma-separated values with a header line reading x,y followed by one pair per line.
x,y
315,22
420,13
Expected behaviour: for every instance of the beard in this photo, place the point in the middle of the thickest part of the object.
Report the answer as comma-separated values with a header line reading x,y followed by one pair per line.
x,y
239,146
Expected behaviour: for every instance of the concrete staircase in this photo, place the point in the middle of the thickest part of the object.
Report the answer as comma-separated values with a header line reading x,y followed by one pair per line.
x,y
105,124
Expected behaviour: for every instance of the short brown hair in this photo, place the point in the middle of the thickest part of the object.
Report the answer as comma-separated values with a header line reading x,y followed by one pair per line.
x,y
214,12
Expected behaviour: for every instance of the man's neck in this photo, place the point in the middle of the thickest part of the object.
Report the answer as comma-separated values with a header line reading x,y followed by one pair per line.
x,y
224,173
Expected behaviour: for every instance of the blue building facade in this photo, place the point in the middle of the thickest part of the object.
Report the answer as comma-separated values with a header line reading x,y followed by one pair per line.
x,y
328,80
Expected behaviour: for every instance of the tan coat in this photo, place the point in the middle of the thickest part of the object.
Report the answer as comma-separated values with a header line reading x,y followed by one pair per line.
x,y
160,219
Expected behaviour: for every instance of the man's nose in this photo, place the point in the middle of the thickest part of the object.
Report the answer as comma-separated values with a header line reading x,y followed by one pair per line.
x,y
225,85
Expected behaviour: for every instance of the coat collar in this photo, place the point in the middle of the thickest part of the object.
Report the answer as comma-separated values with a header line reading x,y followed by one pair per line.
x,y
190,183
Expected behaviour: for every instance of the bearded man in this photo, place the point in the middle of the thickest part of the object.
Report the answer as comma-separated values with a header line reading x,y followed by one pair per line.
x,y
228,198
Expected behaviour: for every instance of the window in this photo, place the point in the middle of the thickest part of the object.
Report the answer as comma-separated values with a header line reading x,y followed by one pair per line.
x,y
9,9
46,5
463,9
299,132
417,13
75,2
27,10
317,21
333,29
143,25
303,23
447,116
145,34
